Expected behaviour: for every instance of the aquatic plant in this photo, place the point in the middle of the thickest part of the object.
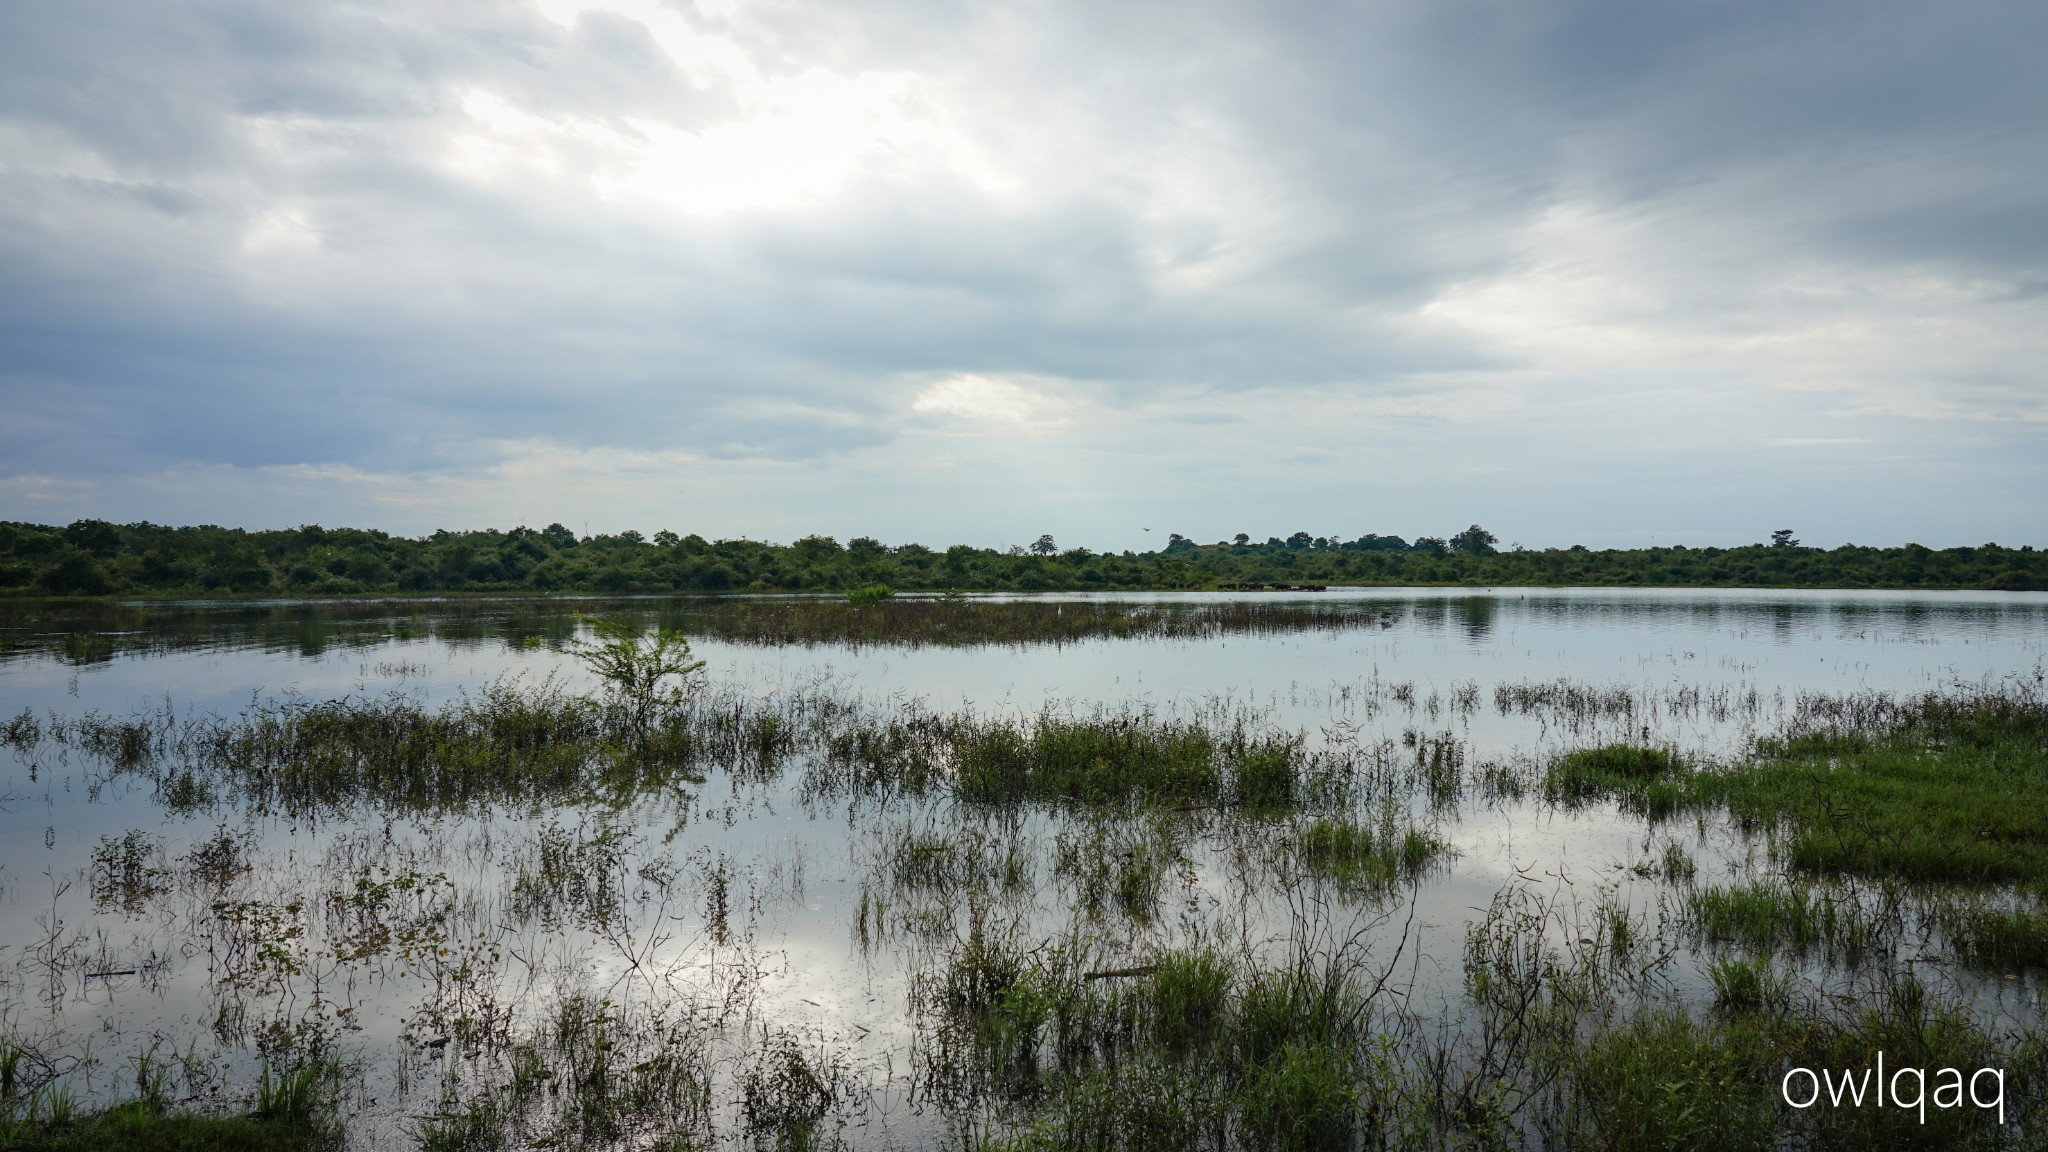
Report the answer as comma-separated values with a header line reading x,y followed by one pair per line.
x,y
635,669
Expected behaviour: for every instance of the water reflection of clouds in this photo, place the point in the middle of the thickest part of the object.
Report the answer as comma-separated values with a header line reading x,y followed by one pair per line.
x,y
1300,662
91,633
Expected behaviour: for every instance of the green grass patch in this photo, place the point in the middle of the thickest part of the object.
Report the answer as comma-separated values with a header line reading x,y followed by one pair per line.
x,y
1747,984
1372,855
1663,1081
1995,937
1643,778
1773,915
1187,1049
1118,759
1939,790
1942,788
293,1113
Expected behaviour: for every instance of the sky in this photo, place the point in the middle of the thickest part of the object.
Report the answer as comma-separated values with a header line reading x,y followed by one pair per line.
x,y
1606,273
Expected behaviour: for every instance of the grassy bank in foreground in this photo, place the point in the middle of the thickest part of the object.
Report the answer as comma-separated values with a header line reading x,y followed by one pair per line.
x,y
94,558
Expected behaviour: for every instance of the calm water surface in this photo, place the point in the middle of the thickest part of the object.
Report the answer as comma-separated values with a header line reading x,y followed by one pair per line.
x,y
1362,667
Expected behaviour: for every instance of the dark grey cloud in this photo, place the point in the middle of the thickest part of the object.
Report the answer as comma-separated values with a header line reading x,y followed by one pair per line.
x,y
408,244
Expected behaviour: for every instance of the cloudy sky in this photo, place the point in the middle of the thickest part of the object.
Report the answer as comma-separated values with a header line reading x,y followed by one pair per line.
x,y
1609,273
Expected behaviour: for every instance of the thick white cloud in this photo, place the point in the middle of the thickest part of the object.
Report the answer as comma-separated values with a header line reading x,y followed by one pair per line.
x,y
1590,271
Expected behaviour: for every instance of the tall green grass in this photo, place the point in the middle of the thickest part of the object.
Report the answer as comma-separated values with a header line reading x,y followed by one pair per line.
x,y
1773,915
1368,854
1124,758
1189,1045
1940,788
519,742
294,1110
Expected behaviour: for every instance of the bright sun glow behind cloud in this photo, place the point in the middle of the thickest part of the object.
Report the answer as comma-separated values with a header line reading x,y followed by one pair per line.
x,y
988,399
795,141
803,139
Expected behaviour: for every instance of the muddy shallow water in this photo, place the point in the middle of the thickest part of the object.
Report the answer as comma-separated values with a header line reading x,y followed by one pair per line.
x,y
219,931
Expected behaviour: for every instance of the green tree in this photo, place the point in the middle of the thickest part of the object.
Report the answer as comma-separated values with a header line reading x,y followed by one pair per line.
x,y
636,669
1474,541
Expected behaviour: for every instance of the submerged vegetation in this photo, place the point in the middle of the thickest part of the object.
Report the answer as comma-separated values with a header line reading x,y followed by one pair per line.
x,y
1147,926
94,558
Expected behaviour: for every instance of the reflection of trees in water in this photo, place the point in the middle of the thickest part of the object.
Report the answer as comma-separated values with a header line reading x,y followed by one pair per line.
x,y
83,633
1475,615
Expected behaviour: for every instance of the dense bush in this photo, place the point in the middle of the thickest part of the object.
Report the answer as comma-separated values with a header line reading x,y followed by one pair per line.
x,y
92,557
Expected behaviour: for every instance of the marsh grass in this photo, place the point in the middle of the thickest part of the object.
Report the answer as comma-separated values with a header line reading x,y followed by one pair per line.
x,y
1370,855
1664,1081
1939,788
520,743
1643,778
1081,1049
1123,864
1991,935
1130,758
510,741
587,1073
128,872
1578,1052
1143,1024
1774,915
788,1095
294,1109
1748,984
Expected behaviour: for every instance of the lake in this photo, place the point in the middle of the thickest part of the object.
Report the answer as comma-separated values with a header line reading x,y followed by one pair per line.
x,y
773,917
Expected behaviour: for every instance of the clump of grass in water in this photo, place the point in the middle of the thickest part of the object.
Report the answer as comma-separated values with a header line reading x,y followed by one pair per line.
x,y
1747,984
1773,915
1189,1047
514,741
1677,865
868,595
128,872
587,1074
1642,777
570,878
1994,936
923,878
507,741
293,1111
1120,864
786,1096
1370,856
1118,759
1439,764
1663,1081
1563,1062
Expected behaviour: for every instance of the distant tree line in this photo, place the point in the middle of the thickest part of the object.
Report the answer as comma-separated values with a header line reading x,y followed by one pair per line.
x,y
93,558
